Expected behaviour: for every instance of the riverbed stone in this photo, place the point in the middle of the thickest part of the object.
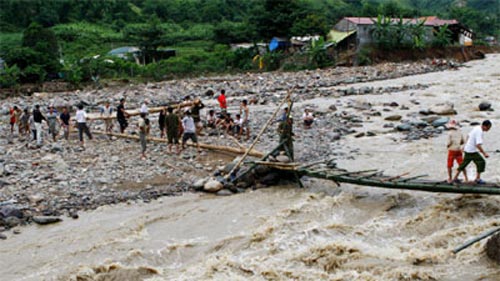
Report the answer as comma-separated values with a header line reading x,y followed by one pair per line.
x,y
493,248
484,106
212,185
46,219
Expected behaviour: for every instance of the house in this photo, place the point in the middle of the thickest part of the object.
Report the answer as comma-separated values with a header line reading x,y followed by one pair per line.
x,y
134,53
362,27
126,53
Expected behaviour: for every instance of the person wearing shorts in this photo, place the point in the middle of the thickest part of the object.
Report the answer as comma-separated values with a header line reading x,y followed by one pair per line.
x,y
454,145
189,131
473,149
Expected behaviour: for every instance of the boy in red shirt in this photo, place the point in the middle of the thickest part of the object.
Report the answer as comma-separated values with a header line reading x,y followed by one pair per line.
x,y
222,102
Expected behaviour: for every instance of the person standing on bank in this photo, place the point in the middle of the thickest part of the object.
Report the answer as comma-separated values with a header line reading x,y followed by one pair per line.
x,y
37,119
106,112
195,112
65,117
172,124
189,131
52,121
143,133
222,102
472,149
81,120
161,121
122,115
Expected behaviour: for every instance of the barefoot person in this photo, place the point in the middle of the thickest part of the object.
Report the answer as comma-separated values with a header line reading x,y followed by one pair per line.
x,y
454,145
474,146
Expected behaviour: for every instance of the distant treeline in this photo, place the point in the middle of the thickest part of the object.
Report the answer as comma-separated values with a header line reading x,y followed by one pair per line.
x,y
246,19
42,40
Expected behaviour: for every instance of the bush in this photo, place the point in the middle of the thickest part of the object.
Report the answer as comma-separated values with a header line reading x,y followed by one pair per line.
x,y
9,77
364,56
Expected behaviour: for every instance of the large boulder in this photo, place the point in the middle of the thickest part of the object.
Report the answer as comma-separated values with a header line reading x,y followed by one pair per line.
x,y
46,219
484,106
440,122
443,109
493,248
213,185
393,118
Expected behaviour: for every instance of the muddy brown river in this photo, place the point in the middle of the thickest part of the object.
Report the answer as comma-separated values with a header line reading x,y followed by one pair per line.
x,y
321,232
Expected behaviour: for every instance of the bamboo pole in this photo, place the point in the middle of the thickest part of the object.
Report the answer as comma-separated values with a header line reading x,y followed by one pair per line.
x,y
229,149
135,112
422,186
475,240
259,135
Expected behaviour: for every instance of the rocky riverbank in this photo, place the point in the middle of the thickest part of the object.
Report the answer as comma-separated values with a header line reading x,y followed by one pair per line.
x,y
62,178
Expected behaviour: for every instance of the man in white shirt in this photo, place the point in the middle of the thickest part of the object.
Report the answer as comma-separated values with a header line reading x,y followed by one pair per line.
x,y
189,131
144,107
81,119
474,146
106,112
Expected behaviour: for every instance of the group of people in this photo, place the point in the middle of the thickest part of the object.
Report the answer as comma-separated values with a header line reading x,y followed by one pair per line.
x,y
31,122
466,150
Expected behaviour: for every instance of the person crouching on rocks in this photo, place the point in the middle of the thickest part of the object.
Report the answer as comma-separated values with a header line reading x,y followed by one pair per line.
x,y
455,142
189,131
81,120
144,126
308,118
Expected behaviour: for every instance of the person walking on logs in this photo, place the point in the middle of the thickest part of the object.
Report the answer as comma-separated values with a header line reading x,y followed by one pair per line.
x,y
65,117
172,126
474,146
122,115
52,116
37,120
454,145
189,131
161,121
81,120
106,113
143,133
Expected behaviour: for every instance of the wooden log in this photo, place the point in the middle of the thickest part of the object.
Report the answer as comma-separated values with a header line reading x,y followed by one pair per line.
x,y
475,240
396,177
229,149
308,165
135,112
422,186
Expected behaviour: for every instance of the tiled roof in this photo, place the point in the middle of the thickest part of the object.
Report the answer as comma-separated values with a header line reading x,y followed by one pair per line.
x,y
429,21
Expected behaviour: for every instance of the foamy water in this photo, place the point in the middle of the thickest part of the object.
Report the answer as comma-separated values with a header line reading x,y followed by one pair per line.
x,y
322,232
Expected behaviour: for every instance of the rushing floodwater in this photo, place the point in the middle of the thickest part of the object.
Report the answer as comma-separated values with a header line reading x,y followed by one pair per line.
x,y
319,233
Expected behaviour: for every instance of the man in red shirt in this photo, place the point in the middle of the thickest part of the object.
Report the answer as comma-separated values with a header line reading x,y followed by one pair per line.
x,y
222,102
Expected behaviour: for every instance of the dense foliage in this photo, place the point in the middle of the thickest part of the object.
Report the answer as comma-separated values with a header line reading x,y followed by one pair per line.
x,y
200,31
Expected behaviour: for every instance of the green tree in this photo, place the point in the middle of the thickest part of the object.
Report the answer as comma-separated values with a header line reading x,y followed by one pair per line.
x,y
148,37
275,18
312,24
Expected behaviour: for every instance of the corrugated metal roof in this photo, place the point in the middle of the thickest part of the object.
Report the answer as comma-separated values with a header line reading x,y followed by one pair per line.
x,y
429,21
338,36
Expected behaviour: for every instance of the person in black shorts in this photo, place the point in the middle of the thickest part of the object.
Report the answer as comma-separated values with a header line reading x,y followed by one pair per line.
x,y
122,115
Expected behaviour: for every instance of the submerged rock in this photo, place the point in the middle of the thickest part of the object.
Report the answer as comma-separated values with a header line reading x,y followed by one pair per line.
x,y
493,248
46,219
